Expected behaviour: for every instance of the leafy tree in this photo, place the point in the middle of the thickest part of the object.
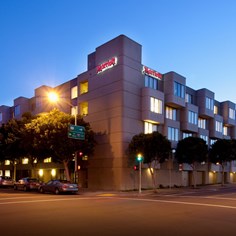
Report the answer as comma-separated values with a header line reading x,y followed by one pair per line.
x,y
49,138
221,152
191,150
11,136
154,147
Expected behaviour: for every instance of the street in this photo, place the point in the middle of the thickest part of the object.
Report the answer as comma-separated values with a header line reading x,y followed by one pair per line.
x,y
202,211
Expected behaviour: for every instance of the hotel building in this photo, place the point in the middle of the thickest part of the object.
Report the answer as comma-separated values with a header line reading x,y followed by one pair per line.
x,y
120,97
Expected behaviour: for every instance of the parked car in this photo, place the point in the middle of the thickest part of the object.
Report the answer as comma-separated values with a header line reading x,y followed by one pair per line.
x,y
58,186
27,184
6,181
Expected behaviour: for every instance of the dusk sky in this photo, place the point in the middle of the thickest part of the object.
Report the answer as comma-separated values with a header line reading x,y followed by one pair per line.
x,y
46,42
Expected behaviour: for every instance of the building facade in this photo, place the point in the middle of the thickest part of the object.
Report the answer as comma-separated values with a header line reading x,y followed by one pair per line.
x,y
120,97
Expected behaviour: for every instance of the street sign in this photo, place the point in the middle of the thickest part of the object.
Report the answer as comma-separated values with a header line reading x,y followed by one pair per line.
x,y
76,132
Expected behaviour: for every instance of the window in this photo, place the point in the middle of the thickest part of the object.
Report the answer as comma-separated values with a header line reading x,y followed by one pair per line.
x,y
47,160
74,92
189,98
84,108
156,105
173,134
192,117
186,135
83,87
219,126
74,110
170,113
0,116
17,110
7,162
179,90
151,82
225,130
25,161
209,103
204,137
231,113
201,123
216,110
7,173
149,127
212,141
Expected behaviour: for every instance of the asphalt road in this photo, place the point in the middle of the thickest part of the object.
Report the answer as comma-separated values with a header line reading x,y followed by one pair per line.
x,y
204,211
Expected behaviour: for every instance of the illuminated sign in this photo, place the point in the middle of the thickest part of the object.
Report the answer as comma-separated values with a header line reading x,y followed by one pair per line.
x,y
152,73
107,65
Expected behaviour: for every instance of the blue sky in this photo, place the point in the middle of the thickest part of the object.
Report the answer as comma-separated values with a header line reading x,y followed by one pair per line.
x,y
46,42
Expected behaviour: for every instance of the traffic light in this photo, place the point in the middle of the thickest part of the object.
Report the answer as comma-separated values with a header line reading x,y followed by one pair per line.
x,y
136,167
139,157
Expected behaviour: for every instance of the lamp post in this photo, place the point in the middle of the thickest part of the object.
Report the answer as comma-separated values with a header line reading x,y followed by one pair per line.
x,y
139,158
170,163
53,97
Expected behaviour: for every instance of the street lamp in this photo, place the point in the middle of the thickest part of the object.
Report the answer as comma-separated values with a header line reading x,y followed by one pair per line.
x,y
139,158
53,97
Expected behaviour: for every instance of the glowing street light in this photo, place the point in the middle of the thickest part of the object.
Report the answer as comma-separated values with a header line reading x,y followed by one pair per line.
x,y
53,97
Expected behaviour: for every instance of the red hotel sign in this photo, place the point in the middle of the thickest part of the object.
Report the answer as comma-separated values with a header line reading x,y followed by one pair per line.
x,y
152,73
106,65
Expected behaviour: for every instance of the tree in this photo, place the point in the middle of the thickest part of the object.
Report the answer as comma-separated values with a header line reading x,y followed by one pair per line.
x,y
154,147
221,152
49,135
191,150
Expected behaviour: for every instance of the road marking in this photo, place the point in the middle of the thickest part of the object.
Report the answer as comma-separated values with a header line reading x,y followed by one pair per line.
x,y
122,198
184,203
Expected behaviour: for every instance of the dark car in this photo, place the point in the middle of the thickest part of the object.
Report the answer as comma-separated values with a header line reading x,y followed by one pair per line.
x,y
27,184
58,186
6,181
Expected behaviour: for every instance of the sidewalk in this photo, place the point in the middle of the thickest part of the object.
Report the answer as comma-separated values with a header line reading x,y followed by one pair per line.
x,y
160,191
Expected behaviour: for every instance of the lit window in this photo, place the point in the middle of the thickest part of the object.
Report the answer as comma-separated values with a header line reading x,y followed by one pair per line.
x,y
173,134
1,172
84,108
7,162
74,92
225,130
7,173
25,161
83,87
149,127
201,123
156,105
215,110
170,113
74,111
47,160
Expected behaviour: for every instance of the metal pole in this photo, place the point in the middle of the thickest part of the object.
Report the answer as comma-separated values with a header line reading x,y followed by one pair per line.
x,y
76,159
140,179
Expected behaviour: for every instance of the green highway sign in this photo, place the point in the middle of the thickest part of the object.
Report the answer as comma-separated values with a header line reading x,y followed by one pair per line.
x,y
76,132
